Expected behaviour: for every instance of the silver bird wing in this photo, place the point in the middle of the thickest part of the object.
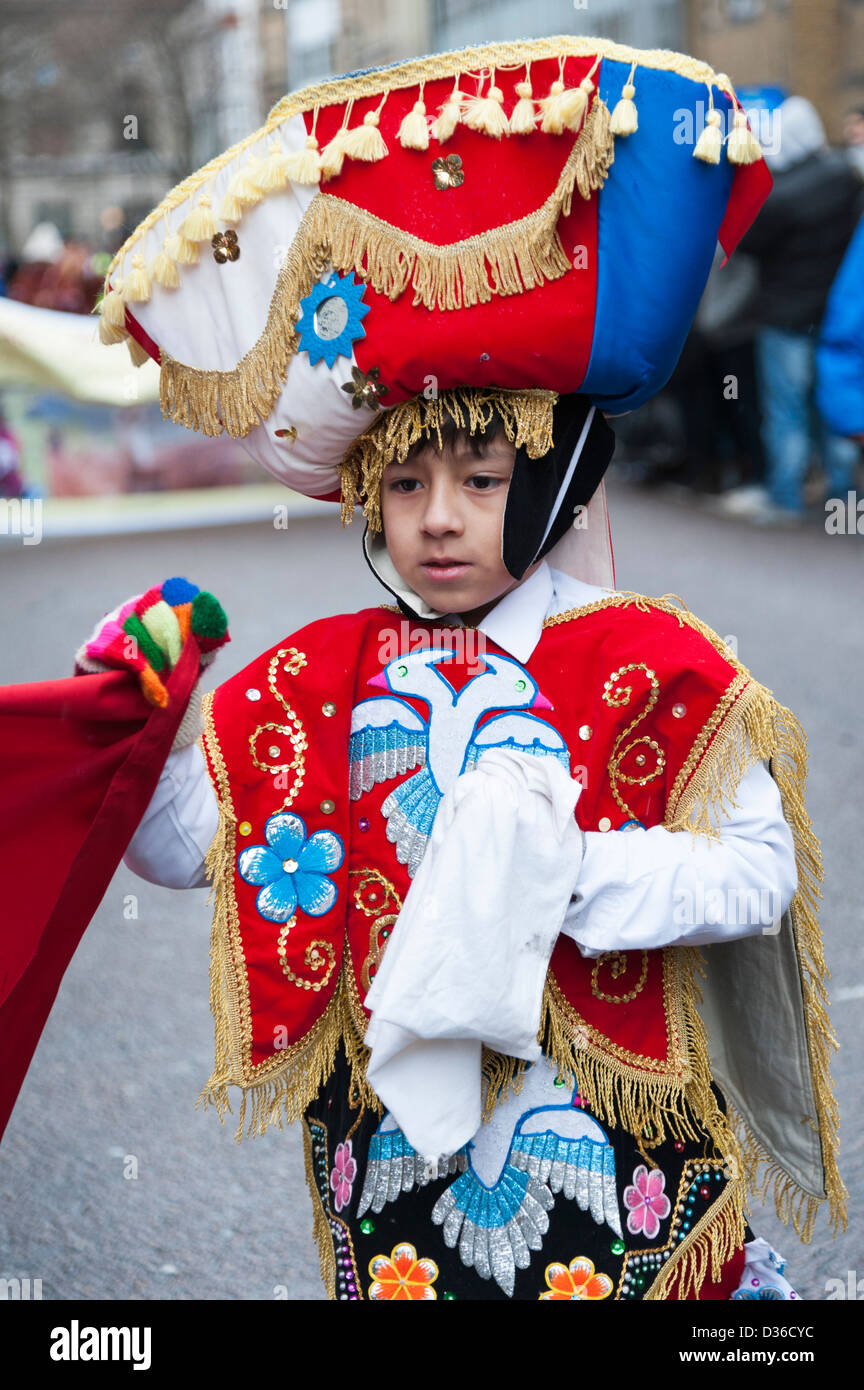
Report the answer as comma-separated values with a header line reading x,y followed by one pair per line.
x,y
387,738
524,732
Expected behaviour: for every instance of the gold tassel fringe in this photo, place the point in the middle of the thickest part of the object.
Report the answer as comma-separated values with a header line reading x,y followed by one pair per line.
x,y
527,418
706,1249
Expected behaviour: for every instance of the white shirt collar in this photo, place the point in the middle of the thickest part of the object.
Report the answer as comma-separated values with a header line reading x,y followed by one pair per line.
x,y
516,621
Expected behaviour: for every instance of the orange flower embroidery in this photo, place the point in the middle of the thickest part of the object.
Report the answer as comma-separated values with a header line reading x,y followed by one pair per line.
x,y
400,1276
577,1282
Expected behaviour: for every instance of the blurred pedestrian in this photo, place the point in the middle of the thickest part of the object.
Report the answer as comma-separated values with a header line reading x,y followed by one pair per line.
x,y
840,356
853,136
799,240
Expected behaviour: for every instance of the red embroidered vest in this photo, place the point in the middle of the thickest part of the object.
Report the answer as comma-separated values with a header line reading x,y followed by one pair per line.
x,y
329,755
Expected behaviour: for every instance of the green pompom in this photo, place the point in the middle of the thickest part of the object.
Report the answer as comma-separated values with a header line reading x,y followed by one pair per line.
x,y
208,616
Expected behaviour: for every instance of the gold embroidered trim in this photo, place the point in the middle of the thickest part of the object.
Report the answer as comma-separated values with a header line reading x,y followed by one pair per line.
x,y
617,965
707,1248
287,1082
514,54
320,1224
616,696
649,1098
413,73
526,415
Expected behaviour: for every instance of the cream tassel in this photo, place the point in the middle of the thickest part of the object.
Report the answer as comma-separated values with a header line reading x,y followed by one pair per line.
x,y
138,354
199,224
366,141
565,107
275,174
231,209
244,185
487,113
112,316
742,147
625,118
710,142
333,154
305,165
414,132
523,118
136,289
450,115
165,272
180,250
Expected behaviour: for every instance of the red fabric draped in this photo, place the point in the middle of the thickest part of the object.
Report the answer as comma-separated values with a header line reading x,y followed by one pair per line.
x,y
79,762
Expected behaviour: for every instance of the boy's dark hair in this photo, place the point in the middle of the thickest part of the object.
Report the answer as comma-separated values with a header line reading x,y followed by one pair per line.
x,y
453,434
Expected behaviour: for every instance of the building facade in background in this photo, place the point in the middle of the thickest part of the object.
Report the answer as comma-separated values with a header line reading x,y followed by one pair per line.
x,y
812,48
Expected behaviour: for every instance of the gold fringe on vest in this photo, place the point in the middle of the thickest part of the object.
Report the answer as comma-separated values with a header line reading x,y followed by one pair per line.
x,y
706,1249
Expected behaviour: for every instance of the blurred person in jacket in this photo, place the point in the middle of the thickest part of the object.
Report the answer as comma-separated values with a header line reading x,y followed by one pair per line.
x,y
840,355
799,240
853,137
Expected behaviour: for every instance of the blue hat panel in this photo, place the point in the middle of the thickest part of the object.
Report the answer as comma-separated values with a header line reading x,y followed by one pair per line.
x,y
659,213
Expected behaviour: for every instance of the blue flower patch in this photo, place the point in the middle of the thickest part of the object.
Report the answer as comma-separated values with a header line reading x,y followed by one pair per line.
x,y
291,869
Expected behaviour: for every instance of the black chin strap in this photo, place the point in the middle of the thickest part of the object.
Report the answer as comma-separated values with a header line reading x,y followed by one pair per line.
x,y
544,493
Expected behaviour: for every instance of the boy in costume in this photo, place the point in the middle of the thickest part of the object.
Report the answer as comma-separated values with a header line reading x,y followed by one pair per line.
x,y
509,1083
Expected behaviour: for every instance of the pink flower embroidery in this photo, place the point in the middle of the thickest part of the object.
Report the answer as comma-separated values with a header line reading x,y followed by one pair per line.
x,y
343,1175
647,1202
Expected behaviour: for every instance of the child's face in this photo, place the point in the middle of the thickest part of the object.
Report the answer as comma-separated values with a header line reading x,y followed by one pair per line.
x,y
442,515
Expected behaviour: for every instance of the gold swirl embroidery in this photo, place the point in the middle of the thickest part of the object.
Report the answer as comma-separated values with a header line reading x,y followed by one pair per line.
x,y
617,962
616,696
313,959
293,729
380,911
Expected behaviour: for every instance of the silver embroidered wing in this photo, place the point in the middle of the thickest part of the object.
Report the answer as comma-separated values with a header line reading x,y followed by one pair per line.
x,y
393,1166
524,732
388,738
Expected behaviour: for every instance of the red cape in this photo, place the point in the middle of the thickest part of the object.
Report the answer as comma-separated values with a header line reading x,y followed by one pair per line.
x,y
79,762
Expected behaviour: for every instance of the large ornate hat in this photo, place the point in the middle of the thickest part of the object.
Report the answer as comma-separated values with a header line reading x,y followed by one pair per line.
x,y
535,219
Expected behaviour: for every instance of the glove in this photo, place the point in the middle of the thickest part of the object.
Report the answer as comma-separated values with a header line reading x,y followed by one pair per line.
x,y
146,635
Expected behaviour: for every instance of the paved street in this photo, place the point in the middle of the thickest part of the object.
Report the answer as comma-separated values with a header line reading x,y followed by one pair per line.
x,y
129,1043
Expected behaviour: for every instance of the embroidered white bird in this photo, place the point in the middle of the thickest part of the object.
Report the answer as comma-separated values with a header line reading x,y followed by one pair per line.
x,y
388,737
535,1145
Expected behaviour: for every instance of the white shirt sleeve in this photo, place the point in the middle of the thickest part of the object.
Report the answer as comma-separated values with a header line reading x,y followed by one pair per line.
x,y
178,827
640,889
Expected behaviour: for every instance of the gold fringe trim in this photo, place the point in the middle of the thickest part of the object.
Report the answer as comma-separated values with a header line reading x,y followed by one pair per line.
x,y
292,1078
503,1074
517,256
749,724
792,1204
411,74
526,415
706,1249
621,1089
320,1226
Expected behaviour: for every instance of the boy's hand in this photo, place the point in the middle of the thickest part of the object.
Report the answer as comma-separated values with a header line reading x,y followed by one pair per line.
x,y
147,633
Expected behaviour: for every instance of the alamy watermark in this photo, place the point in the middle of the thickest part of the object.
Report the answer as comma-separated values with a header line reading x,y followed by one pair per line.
x,y
22,516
